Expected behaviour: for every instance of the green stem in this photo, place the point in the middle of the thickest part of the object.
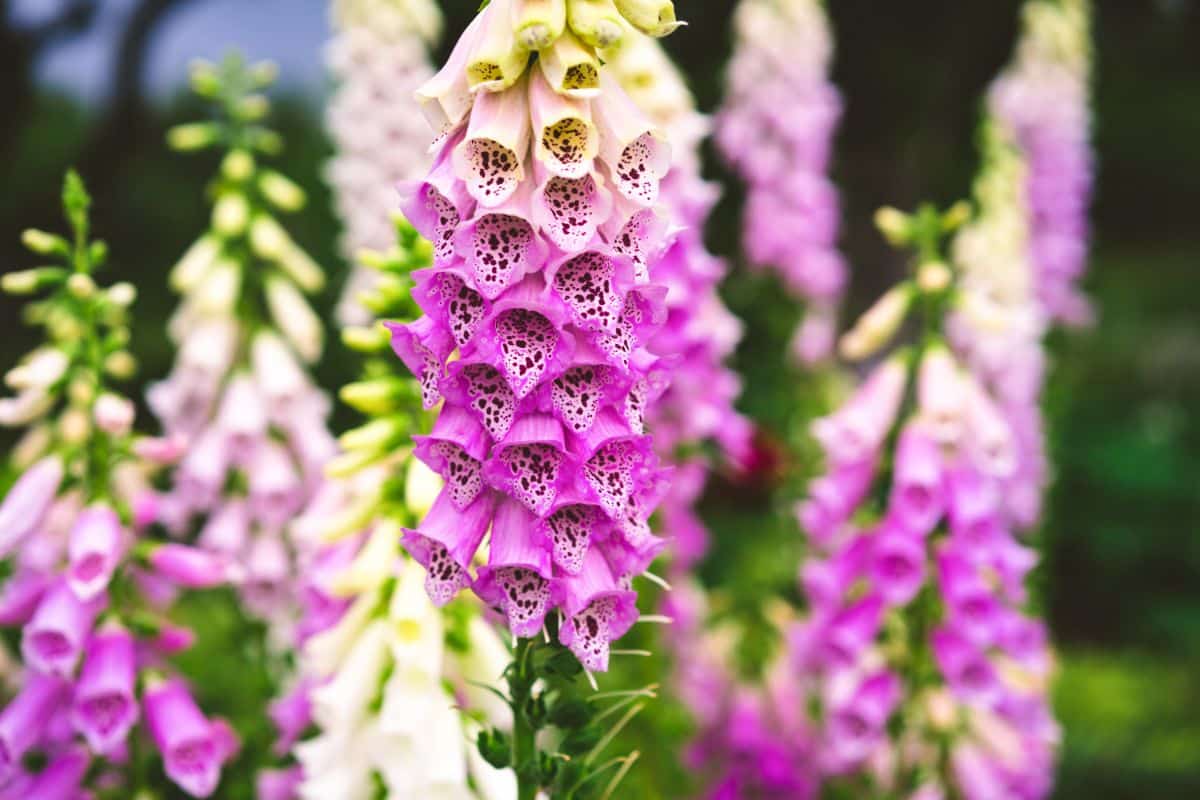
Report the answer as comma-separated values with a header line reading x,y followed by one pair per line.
x,y
524,738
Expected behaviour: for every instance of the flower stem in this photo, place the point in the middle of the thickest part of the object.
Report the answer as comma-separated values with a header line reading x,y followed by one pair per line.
x,y
524,744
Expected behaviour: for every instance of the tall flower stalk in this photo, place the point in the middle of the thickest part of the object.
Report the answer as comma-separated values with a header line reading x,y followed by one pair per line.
x,y
542,207
929,669
776,130
379,56
89,591
239,394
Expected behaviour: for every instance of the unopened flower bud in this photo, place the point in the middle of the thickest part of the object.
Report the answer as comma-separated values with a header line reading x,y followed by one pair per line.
x,y
205,79
231,214
74,426
81,392
219,292
271,241
895,225
26,281
81,285
280,190
652,17
956,216
878,325
43,243
253,107
538,23
380,434
161,450
378,396
32,446
120,365
238,165
113,414
98,253
366,340
193,136
194,265
934,277
597,23
295,318
122,294
941,710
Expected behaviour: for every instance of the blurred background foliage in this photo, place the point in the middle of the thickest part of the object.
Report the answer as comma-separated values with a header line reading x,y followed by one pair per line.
x,y
1121,580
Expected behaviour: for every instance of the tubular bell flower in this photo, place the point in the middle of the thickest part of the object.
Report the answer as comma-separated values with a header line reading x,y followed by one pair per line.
x,y
90,616
775,130
541,308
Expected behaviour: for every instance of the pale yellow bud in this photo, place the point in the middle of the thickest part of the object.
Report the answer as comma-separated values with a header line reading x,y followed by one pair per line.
x,y
934,277
122,294
281,191
81,285
120,365
878,325
43,243
193,136
238,165
74,426
231,214
894,224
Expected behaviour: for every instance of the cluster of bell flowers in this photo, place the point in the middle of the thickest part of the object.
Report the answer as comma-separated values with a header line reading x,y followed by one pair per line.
x,y
1043,100
917,592
89,590
776,129
239,397
543,209
698,407
379,56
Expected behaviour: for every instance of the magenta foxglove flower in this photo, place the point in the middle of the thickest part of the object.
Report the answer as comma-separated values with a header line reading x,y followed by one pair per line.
x,y
776,130
105,707
21,595
25,718
291,714
28,501
539,314
192,747
62,778
279,784
98,542
54,638
192,567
